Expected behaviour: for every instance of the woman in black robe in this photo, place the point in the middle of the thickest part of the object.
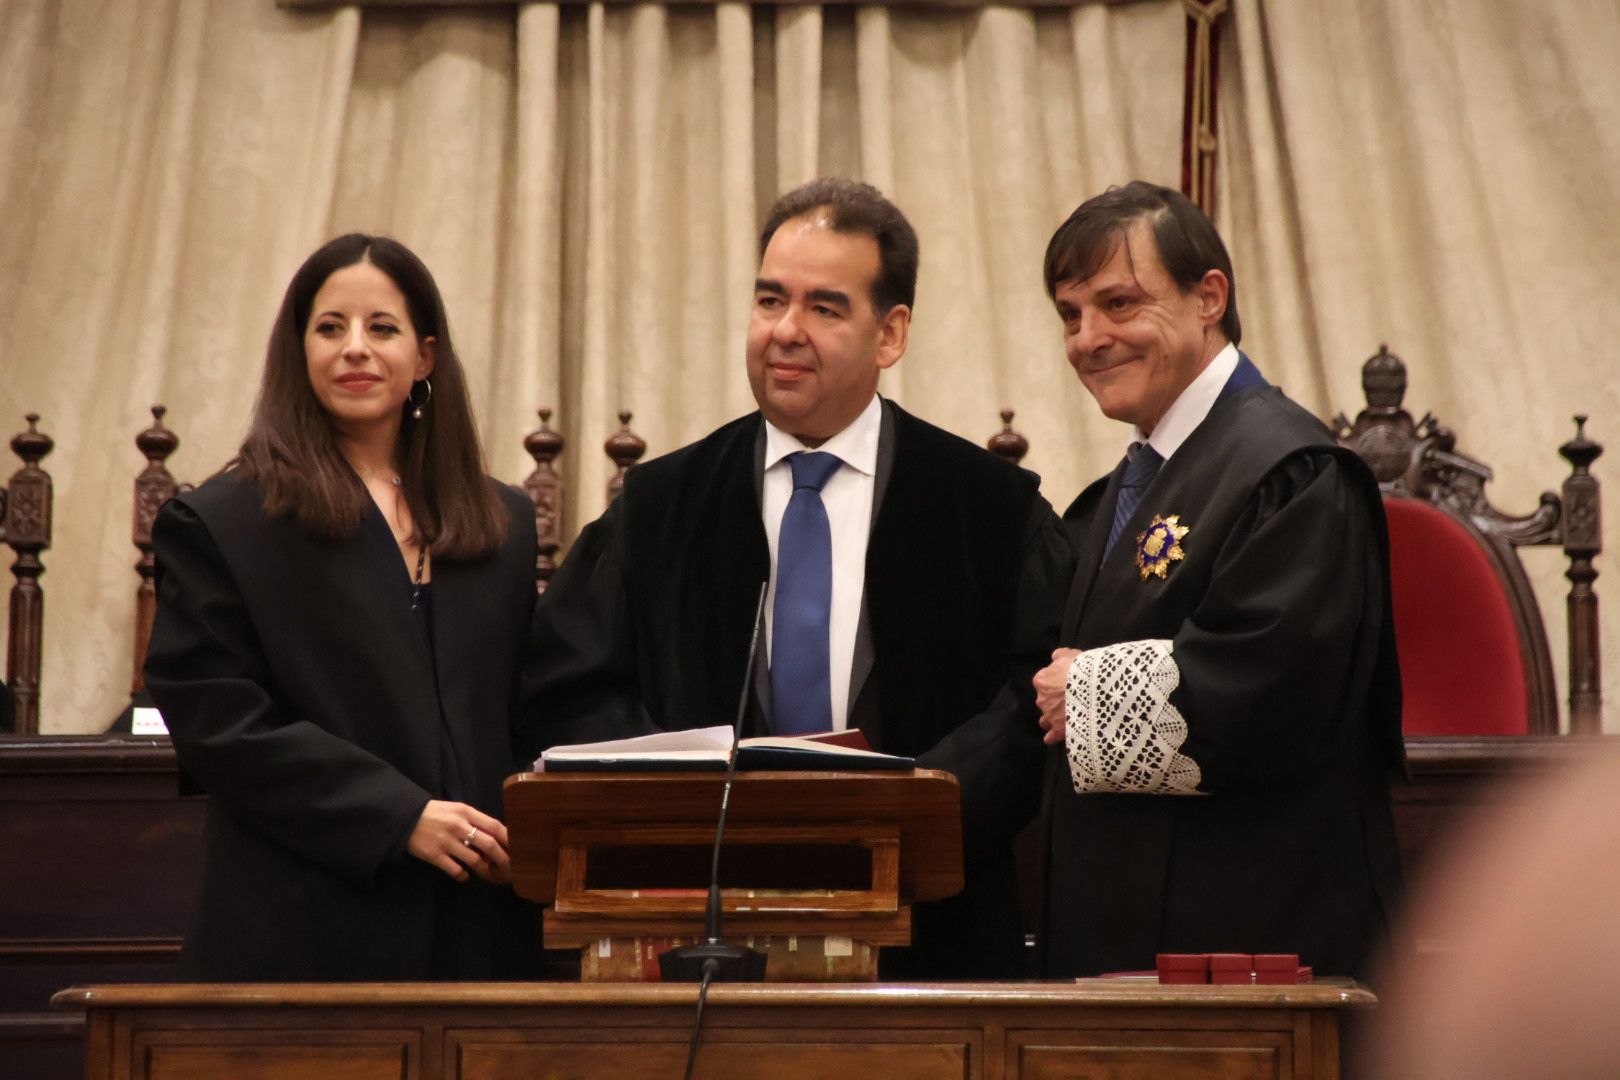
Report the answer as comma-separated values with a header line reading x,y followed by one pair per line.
x,y
341,614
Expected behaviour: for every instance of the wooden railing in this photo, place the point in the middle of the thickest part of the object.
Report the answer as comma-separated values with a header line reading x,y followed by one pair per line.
x,y
1571,519
26,509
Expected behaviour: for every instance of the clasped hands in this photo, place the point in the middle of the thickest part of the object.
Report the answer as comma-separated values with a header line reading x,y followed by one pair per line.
x,y
1051,686
461,841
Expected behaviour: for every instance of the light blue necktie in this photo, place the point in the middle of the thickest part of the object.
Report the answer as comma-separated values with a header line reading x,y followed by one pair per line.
x,y
801,683
1141,466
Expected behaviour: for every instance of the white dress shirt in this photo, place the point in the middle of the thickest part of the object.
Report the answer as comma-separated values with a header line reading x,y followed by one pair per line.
x,y
1192,405
848,499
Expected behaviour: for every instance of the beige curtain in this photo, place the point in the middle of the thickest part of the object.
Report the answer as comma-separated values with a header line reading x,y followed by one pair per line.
x,y
1442,176
586,184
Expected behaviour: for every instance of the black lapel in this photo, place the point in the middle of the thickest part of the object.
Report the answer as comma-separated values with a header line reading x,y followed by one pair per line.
x,y
452,608
865,653
762,668
1089,537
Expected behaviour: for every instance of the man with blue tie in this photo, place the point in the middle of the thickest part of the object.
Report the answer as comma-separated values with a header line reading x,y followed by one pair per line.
x,y
915,581
1227,704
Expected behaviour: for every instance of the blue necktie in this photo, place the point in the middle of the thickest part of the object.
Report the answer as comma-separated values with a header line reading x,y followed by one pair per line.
x,y
1141,466
801,686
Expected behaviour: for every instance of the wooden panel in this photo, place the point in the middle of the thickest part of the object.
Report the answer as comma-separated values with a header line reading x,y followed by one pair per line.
x,y
289,1055
617,1058
1149,1063
564,931
36,1045
923,803
108,854
1324,1042
274,1063
1090,1028
1460,784
120,844
1158,1055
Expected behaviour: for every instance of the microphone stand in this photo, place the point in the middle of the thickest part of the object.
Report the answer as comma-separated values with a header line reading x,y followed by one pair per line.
x,y
714,960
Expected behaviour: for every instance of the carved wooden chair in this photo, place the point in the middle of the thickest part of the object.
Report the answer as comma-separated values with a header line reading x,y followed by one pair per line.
x,y
1474,656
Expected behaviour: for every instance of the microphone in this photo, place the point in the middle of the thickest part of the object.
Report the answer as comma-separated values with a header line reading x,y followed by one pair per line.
x,y
714,960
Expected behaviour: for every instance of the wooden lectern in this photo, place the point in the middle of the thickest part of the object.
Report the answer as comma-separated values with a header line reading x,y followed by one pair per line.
x,y
818,869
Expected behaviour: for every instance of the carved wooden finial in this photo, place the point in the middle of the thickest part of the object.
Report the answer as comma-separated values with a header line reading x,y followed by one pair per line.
x,y
157,442
545,490
1383,432
1583,523
1383,381
32,445
28,507
1008,444
544,443
1583,541
153,487
625,447
1580,451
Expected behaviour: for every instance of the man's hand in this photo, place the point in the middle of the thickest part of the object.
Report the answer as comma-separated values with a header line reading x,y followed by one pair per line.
x,y
1051,684
457,839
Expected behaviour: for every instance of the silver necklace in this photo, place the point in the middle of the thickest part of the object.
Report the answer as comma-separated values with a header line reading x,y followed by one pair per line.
x,y
421,556
416,580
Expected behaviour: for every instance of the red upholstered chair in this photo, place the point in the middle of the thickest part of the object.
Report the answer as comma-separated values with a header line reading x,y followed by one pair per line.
x,y
1474,656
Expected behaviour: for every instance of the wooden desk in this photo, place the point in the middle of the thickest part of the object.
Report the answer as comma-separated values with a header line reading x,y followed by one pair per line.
x,y
1127,1029
109,858
100,864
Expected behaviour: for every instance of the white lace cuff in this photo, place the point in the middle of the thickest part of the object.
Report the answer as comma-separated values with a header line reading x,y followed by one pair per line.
x,y
1122,733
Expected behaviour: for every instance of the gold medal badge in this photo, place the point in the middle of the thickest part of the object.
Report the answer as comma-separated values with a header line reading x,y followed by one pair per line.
x,y
1160,546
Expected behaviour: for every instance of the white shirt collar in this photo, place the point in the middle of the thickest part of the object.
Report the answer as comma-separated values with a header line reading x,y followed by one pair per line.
x,y
856,446
1189,409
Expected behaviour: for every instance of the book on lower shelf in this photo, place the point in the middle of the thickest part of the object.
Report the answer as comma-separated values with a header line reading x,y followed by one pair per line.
x,y
704,749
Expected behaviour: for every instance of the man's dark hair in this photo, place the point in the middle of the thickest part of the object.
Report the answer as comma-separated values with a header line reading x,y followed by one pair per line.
x,y
853,207
1188,244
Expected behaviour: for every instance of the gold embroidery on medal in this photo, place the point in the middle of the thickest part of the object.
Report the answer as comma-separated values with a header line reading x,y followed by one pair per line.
x,y
1160,546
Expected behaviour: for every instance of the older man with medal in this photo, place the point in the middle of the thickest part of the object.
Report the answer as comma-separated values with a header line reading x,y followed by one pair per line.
x,y
1227,703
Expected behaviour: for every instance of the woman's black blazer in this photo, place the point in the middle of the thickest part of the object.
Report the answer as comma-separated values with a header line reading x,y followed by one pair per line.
x,y
304,698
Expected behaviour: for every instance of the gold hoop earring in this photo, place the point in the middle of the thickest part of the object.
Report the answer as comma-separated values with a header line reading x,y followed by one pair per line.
x,y
416,409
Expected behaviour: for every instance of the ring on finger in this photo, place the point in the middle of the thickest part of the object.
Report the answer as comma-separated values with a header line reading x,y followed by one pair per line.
x,y
472,835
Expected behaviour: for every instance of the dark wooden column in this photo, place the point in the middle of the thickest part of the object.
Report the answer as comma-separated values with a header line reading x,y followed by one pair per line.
x,y
546,492
1583,540
28,531
1200,119
153,487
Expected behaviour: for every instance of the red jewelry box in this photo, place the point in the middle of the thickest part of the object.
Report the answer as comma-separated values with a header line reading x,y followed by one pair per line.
x,y
1279,969
1182,968
1231,969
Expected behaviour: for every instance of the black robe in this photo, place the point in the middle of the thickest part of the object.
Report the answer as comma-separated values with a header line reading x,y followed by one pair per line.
x,y
1282,633
304,697
647,624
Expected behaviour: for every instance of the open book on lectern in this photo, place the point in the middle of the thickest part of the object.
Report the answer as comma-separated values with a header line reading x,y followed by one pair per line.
x,y
701,749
